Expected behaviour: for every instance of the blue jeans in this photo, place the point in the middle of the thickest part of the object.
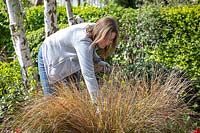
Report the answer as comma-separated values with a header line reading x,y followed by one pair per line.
x,y
47,88
43,75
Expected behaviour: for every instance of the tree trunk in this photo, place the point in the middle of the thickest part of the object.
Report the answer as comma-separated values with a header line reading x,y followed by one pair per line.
x,y
39,2
79,2
70,15
17,31
50,17
71,18
97,3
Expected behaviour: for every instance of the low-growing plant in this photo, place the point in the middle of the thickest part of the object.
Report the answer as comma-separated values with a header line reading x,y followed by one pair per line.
x,y
126,106
12,90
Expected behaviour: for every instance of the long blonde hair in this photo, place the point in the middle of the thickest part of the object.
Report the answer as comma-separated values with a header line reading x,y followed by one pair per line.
x,y
100,30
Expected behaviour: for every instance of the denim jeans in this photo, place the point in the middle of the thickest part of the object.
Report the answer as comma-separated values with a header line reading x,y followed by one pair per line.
x,y
43,75
48,88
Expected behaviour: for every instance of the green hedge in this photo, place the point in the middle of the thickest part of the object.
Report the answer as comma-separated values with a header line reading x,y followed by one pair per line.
x,y
182,39
182,44
12,90
34,19
5,39
35,39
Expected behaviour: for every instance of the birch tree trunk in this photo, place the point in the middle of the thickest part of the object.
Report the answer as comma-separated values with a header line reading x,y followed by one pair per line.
x,y
70,14
71,18
97,3
78,2
17,31
38,2
50,17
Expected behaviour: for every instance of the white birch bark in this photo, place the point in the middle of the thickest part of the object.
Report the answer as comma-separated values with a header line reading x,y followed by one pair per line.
x,y
50,17
97,3
70,14
18,37
78,2
38,2
71,18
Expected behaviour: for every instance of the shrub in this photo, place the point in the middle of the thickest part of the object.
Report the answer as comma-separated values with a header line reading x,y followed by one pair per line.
x,y
6,47
182,44
170,3
127,3
12,90
34,18
181,47
35,39
125,107
140,34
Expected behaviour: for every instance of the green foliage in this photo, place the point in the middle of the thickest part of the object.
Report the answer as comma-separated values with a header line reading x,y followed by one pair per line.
x,y
35,39
34,18
170,3
33,80
5,39
182,44
12,90
89,13
148,27
142,3
140,31
26,4
126,3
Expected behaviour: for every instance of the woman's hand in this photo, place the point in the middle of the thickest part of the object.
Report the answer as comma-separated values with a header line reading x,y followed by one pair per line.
x,y
106,67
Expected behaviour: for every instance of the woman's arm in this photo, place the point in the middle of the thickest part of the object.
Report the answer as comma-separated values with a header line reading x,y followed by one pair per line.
x,y
85,57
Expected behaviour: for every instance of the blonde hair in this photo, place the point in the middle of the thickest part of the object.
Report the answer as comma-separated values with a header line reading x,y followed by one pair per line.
x,y
100,30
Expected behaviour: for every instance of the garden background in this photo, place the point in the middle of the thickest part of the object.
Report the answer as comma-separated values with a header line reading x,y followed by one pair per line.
x,y
153,35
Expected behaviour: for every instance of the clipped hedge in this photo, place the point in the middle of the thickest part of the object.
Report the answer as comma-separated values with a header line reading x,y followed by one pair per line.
x,y
182,43
34,19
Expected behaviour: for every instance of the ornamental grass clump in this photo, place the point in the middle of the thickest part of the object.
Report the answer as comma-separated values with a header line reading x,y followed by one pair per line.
x,y
153,106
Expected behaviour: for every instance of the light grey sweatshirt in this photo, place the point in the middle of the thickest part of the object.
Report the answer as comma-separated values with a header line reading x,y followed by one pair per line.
x,y
68,51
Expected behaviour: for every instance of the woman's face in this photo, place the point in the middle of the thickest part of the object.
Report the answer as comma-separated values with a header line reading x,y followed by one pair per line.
x,y
108,40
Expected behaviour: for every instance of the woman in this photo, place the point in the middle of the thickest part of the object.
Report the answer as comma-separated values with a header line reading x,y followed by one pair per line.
x,y
66,52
